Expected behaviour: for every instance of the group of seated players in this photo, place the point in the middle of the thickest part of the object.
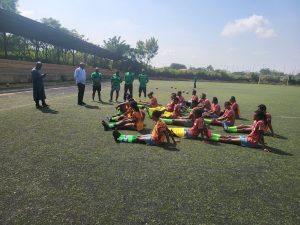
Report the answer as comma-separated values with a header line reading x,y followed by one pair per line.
x,y
193,118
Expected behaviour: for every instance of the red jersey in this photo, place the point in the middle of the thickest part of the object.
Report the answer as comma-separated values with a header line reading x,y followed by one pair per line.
x,y
229,116
253,137
235,108
207,104
153,102
176,111
194,98
181,99
191,116
215,108
170,106
197,127
267,122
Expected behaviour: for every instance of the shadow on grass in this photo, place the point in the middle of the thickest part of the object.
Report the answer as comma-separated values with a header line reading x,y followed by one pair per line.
x,y
169,148
106,103
279,151
48,110
145,131
277,136
243,119
91,107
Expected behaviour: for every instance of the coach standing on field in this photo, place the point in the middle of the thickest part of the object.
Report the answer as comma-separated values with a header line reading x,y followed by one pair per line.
x,y
38,85
80,77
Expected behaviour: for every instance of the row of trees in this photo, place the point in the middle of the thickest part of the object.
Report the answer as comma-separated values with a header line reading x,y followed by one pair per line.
x,y
16,47
265,75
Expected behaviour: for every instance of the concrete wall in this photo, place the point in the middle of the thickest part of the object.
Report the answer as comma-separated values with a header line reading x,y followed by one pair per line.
x,y
13,71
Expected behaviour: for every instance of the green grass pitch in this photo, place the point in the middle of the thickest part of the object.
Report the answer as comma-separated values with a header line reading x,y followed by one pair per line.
x,y
59,166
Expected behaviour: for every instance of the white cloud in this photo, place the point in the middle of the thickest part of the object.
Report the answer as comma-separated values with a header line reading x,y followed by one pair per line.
x,y
257,24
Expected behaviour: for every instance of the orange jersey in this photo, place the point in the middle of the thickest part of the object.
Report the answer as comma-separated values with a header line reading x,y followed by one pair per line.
x,y
158,135
138,120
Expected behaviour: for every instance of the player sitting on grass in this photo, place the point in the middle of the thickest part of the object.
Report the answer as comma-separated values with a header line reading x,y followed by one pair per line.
x,y
248,128
235,107
181,98
136,122
176,111
153,101
205,103
228,117
194,98
184,121
193,132
159,135
253,140
215,110
122,107
170,106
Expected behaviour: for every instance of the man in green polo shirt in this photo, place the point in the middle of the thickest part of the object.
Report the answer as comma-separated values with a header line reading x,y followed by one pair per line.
x,y
96,77
115,85
128,78
143,79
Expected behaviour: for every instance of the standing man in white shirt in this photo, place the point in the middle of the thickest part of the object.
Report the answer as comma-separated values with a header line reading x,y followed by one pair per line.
x,y
80,77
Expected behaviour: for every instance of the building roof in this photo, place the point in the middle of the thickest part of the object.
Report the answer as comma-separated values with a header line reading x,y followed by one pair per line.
x,y
28,28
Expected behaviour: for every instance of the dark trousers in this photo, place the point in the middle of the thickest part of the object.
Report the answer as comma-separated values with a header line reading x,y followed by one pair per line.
x,y
37,102
142,89
127,87
98,89
81,88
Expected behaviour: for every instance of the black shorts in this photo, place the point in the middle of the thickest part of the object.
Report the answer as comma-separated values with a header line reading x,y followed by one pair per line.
x,y
97,88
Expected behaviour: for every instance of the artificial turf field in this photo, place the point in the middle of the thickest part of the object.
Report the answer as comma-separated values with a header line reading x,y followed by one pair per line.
x,y
59,166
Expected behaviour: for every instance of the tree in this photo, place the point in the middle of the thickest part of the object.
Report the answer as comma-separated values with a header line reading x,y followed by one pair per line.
x,y
210,68
51,22
151,49
9,5
177,66
116,45
145,51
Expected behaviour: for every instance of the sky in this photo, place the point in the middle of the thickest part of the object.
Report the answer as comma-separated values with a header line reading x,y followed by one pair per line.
x,y
235,35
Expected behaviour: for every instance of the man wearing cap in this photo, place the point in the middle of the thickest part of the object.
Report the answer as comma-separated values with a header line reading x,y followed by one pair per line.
x,y
38,85
96,77
80,77
128,78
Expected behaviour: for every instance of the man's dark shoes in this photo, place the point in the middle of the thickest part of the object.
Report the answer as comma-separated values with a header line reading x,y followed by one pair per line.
x,y
45,106
38,106
116,135
105,125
